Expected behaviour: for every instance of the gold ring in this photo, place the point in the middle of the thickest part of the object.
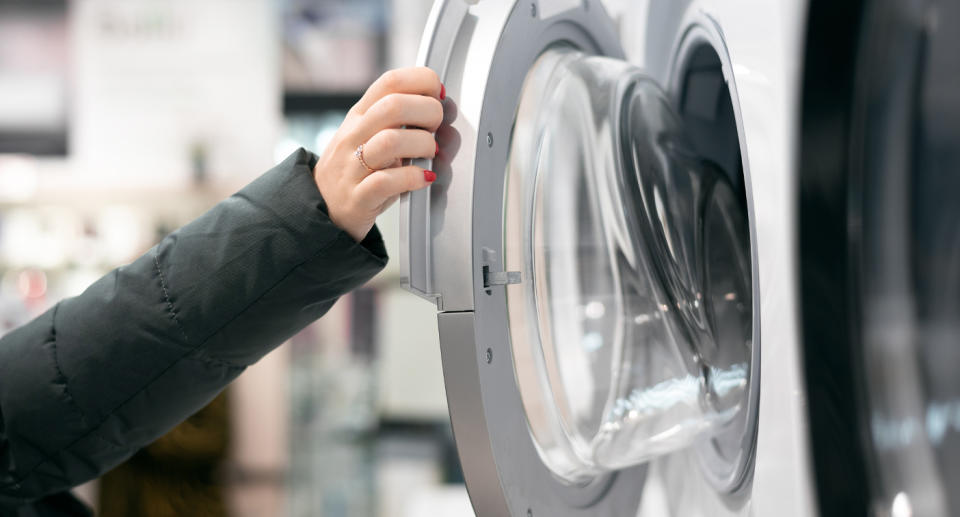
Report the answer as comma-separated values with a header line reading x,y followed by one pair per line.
x,y
359,154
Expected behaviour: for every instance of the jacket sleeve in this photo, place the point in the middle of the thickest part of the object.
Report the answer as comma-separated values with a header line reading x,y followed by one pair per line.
x,y
88,383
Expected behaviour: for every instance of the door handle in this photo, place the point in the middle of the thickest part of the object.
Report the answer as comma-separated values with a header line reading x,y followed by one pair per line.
x,y
416,235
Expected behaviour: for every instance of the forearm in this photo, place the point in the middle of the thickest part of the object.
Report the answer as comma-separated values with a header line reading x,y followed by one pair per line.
x,y
101,375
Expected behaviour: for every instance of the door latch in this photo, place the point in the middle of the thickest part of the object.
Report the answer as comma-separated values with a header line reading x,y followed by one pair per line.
x,y
491,278
495,277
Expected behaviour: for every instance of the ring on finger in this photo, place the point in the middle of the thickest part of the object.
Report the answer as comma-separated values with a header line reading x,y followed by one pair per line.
x,y
359,154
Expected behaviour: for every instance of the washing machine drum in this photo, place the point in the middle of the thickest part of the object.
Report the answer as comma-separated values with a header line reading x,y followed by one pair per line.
x,y
589,246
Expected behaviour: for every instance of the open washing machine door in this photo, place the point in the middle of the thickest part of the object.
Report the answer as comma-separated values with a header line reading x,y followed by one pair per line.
x,y
592,249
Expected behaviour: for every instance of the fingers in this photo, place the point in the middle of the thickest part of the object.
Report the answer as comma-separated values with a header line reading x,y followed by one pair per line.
x,y
390,145
383,185
416,81
394,120
397,110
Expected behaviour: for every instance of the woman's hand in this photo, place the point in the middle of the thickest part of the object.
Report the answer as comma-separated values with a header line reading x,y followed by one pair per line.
x,y
395,119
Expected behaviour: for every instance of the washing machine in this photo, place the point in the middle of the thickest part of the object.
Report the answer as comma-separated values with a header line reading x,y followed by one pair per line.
x,y
663,250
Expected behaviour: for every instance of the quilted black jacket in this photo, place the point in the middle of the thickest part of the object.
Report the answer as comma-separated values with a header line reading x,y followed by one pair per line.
x,y
98,376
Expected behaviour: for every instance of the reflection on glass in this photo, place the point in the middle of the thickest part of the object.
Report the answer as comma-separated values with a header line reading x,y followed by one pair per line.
x,y
632,332
906,234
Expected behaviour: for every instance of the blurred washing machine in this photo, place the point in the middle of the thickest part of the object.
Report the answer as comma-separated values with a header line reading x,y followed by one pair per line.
x,y
653,245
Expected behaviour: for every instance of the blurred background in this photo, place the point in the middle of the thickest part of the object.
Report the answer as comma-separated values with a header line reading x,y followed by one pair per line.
x,y
121,120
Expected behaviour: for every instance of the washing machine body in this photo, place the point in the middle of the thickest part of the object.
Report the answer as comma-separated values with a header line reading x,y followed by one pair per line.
x,y
729,78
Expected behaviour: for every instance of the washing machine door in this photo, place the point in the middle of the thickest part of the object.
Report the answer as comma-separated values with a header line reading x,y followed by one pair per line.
x,y
595,273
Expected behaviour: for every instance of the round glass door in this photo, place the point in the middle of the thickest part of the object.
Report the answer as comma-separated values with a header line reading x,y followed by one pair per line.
x,y
632,330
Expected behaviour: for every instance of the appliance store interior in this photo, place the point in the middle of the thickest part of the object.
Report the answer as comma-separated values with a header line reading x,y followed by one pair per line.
x,y
679,257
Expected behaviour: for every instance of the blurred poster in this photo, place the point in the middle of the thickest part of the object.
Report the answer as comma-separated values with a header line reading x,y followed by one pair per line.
x,y
332,45
173,93
33,77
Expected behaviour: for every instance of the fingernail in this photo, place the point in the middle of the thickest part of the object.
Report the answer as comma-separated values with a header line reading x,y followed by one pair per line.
x,y
443,91
438,149
429,176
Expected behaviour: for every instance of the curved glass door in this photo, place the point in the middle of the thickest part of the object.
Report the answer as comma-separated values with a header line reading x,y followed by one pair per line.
x,y
632,330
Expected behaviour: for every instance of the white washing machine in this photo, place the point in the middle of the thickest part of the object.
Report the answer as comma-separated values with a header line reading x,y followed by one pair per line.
x,y
652,248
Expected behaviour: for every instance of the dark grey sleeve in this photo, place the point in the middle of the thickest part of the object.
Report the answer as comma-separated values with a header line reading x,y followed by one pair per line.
x,y
97,377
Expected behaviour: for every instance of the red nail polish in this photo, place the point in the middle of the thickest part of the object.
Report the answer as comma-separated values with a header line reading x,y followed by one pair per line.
x,y
443,91
438,149
429,176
